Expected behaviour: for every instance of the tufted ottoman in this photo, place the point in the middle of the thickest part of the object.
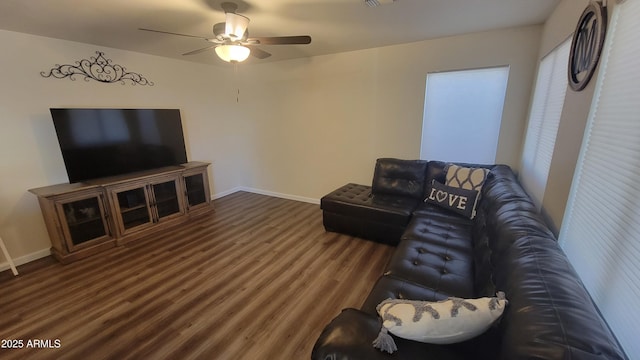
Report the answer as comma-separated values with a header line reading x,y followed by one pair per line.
x,y
353,209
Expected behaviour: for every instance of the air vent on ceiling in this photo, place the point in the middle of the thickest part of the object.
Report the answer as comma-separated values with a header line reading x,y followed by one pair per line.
x,y
372,3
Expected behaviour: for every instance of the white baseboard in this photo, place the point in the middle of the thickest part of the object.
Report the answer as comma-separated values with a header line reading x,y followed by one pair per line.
x,y
268,193
46,252
26,258
225,193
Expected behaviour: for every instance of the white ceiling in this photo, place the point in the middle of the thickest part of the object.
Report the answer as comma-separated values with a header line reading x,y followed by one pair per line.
x,y
334,25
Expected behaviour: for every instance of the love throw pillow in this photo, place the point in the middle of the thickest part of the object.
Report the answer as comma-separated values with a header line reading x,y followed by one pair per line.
x,y
442,322
458,200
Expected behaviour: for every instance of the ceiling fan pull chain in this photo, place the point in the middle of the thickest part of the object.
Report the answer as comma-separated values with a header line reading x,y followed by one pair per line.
x,y
235,76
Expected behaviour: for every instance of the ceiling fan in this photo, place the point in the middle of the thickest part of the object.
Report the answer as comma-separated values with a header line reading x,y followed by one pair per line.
x,y
231,39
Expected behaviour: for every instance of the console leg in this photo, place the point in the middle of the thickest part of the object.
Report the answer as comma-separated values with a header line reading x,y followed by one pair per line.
x,y
6,255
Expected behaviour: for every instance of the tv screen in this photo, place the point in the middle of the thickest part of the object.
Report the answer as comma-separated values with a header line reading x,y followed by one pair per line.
x,y
98,143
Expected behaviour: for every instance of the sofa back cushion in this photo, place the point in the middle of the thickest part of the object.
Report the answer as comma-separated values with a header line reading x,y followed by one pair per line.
x,y
549,305
515,252
436,170
496,223
399,177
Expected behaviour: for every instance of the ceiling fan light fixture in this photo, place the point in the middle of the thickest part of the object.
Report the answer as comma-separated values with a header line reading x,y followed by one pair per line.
x,y
235,25
233,53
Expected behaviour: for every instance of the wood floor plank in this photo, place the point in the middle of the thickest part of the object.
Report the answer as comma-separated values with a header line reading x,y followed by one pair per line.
x,y
257,279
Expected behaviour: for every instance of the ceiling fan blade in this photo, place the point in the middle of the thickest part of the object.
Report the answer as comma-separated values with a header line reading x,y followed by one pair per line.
x,y
258,53
200,50
281,40
172,33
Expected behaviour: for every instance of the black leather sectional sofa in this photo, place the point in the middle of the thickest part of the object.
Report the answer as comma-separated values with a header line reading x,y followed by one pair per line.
x,y
505,247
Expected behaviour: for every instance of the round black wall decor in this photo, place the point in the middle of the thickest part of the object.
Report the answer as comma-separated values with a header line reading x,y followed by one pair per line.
x,y
586,46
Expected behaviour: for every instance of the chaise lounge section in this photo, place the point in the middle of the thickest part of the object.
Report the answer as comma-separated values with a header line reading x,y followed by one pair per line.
x,y
379,212
440,254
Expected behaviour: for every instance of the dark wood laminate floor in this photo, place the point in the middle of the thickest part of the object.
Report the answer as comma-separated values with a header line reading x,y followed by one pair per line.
x,y
257,279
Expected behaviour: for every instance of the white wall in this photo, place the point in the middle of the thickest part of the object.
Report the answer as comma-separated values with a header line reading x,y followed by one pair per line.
x,y
30,155
319,123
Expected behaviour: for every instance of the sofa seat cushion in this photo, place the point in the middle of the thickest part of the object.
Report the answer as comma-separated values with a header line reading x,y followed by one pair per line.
x,y
356,200
436,253
446,270
392,287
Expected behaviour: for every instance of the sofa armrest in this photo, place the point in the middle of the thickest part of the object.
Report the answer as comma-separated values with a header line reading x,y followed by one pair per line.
x,y
350,335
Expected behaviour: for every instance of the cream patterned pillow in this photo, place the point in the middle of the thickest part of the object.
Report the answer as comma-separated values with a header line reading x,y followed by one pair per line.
x,y
466,178
443,322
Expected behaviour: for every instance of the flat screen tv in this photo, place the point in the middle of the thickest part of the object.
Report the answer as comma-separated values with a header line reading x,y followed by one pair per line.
x,y
98,143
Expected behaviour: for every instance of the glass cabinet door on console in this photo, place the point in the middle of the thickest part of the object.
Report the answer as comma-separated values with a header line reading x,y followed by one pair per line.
x,y
146,203
196,189
166,199
86,218
133,208
84,221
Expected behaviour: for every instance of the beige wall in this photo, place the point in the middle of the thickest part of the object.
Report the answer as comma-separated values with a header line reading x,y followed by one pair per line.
x,y
299,128
319,123
30,155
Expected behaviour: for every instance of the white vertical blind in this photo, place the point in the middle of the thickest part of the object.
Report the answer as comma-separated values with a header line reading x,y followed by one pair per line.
x,y
544,118
601,230
462,115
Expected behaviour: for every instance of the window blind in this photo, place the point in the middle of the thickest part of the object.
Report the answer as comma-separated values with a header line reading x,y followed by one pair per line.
x,y
601,230
544,118
462,114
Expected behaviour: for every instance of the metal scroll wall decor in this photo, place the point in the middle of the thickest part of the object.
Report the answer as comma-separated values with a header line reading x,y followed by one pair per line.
x,y
97,68
586,45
